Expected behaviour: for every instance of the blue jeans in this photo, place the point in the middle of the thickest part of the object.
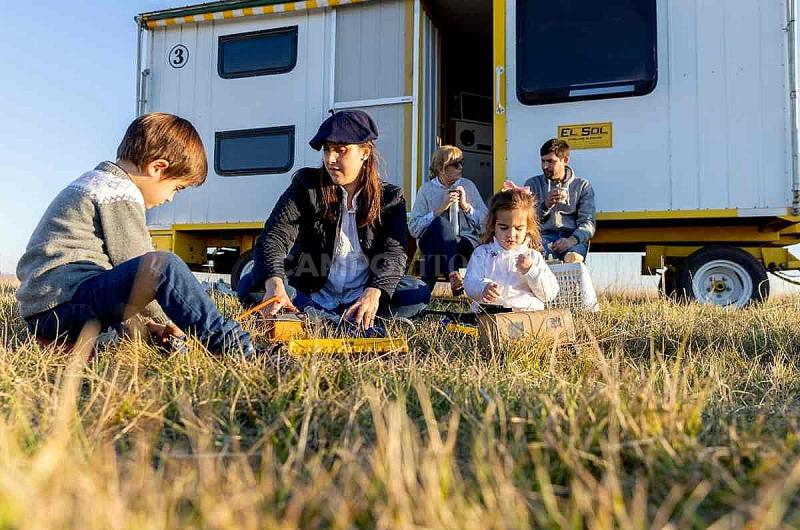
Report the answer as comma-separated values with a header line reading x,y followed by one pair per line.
x,y
124,291
548,238
443,251
410,298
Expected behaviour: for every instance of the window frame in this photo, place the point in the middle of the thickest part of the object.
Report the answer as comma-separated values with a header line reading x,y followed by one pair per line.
x,y
219,136
294,30
609,90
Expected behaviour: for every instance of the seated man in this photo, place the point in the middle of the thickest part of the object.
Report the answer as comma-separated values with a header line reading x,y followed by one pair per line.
x,y
565,205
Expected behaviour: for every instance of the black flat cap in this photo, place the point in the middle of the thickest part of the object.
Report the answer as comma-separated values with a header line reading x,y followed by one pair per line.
x,y
345,127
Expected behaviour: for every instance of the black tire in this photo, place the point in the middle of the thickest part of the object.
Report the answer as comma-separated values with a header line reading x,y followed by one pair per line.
x,y
239,266
726,276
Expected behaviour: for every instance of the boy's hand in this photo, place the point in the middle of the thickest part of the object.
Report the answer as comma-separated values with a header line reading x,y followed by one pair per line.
x,y
364,310
274,289
524,263
491,293
164,331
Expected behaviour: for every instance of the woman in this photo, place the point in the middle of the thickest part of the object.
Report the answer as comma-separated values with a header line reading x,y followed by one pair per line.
x,y
346,230
448,219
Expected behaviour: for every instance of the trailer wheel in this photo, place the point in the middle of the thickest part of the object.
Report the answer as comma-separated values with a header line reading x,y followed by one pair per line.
x,y
723,276
242,266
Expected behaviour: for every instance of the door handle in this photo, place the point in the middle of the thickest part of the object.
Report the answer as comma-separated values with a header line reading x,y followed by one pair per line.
x,y
499,72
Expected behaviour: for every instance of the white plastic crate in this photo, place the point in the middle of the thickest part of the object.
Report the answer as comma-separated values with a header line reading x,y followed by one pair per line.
x,y
576,291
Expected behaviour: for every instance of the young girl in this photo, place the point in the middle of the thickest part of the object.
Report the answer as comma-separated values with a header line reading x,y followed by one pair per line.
x,y
508,270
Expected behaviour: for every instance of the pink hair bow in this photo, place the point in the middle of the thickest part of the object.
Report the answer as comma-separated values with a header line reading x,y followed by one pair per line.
x,y
510,186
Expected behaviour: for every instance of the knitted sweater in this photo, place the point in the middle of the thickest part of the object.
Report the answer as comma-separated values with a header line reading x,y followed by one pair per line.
x,y
94,224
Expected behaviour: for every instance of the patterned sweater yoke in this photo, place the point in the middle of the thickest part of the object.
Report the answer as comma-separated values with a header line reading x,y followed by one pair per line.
x,y
94,224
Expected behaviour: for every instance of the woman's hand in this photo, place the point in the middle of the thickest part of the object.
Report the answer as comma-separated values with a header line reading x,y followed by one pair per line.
x,y
274,288
491,293
364,310
450,199
462,199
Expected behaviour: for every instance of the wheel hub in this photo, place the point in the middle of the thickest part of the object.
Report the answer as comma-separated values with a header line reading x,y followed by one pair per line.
x,y
718,285
723,283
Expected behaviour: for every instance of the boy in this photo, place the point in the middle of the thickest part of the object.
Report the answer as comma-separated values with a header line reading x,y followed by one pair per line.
x,y
90,257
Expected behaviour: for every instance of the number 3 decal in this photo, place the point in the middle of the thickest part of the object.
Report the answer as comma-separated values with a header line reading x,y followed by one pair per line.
x,y
178,56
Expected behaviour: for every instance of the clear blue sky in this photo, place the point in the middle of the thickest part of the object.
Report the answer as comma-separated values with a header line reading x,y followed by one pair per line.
x,y
67,93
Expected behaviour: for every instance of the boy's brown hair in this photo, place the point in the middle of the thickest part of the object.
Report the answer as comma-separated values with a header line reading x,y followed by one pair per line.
x,y
163,136
558,147
514,199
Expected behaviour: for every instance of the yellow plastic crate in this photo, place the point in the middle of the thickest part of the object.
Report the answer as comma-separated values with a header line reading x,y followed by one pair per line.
x,y
345,346
464,330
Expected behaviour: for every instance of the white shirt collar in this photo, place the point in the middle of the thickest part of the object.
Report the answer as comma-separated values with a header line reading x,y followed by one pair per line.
x,y
496,246
439,182
355,199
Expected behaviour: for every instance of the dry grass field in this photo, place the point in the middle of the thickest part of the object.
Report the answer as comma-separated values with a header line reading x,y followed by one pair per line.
x,y
665,416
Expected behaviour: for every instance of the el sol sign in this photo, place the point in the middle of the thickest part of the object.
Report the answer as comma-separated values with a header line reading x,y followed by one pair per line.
x,y
588,135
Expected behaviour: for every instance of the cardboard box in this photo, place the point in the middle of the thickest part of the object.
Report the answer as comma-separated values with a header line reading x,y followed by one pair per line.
x,y
551,325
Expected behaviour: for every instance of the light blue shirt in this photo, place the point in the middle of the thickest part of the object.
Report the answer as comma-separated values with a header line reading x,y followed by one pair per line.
x,y
349,269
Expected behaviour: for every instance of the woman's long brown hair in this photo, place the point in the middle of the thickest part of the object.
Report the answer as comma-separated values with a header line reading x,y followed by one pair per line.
x,y
369,201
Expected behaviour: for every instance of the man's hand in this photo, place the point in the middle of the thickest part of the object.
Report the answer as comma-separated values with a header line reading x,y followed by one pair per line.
x,y
564,244
274,288
491,293
364,310
524,263
553,198
450,198
462,199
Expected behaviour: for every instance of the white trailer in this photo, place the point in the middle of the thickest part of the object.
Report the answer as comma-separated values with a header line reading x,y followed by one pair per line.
x,y
682,113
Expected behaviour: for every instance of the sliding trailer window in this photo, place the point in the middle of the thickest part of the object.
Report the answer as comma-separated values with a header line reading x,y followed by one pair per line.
x,y
257,53
254,151
572,50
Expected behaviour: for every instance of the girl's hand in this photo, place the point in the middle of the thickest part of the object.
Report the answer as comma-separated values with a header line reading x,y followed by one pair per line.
x,y
524,263
364,310
491,293
462,198
274,289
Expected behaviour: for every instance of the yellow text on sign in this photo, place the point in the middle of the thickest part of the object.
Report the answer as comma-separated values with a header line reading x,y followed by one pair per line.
x,y
588,135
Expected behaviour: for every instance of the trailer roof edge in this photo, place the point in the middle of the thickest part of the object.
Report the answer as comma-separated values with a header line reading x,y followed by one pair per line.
x,y
230,9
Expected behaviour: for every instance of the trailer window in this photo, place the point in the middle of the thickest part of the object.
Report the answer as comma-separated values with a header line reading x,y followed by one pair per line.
x,y
254,151
573,50
257,53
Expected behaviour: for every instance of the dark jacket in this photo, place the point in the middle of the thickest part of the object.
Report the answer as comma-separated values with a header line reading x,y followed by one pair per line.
x,y
297,242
